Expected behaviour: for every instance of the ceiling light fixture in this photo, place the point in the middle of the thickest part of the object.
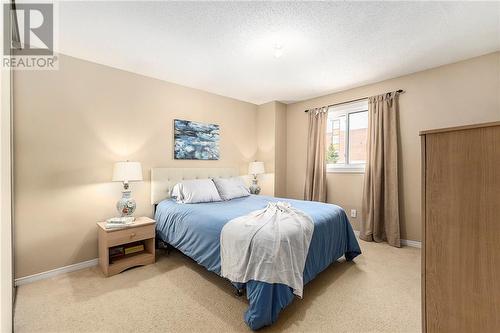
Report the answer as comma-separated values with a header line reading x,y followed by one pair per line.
x,y
278,51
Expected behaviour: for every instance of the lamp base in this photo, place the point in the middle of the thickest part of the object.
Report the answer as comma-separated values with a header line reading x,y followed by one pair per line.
x,y
254,188
126,205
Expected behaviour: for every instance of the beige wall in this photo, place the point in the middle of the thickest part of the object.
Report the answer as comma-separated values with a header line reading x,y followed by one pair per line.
x,y
266,143
271,143
71,125
456,94
280,150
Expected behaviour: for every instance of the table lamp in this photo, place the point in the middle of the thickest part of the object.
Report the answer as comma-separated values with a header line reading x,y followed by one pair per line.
x,y
126,172
255,168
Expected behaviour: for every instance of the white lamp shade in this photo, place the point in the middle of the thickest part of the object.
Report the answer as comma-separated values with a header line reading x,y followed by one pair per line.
x,y
256,168
127,172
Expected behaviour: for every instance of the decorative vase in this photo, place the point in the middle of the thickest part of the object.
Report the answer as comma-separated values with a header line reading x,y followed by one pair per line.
x,y
126,205
254,188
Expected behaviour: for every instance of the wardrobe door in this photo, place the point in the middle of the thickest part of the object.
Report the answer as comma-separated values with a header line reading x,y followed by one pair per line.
x,y
462,231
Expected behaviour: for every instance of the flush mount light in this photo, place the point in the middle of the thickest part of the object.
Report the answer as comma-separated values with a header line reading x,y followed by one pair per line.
x,y
278,50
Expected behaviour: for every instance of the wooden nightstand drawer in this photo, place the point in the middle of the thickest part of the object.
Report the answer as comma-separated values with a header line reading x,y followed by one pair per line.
x,y
129,235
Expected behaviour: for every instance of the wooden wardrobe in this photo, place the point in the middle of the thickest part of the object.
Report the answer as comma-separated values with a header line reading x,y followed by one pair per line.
x,y
461,229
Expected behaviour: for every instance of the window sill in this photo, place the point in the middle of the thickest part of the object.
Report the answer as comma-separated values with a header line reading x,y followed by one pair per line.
x,y
345,169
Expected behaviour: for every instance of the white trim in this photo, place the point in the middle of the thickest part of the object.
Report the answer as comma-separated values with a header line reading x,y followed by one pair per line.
x,y
6,191
95,262
346,109
349,107
412,243
404,242
330,168
57,271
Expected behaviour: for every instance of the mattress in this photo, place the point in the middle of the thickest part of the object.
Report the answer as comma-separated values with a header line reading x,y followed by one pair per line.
x,y
195,230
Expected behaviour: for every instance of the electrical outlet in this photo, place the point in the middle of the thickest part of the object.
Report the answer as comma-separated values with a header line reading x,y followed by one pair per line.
x,y
354,212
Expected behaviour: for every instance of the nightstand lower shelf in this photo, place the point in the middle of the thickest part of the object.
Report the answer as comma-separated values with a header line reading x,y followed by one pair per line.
x,y
137,259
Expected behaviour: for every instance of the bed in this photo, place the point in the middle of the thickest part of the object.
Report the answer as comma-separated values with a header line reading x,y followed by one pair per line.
x,y
195,229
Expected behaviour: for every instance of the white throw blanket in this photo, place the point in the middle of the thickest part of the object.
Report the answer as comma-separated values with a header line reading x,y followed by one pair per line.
x,y
268,245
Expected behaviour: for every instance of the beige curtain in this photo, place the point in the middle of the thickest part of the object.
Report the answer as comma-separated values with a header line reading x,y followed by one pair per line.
x,y
380,207
315,187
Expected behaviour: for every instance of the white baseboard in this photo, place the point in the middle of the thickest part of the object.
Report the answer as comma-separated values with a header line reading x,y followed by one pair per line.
x,y
404,242
412,243
95,262
57,271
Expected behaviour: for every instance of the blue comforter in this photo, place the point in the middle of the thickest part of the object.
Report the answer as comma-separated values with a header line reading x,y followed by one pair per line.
x,y
195,229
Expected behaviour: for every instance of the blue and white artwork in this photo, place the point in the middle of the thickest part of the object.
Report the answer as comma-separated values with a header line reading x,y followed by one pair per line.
x,y
195,141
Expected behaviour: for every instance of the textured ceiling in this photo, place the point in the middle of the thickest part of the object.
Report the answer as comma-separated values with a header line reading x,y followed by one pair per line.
x,y
227,47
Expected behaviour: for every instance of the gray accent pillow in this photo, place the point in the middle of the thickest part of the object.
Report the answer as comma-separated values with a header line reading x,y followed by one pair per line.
x,y
231,188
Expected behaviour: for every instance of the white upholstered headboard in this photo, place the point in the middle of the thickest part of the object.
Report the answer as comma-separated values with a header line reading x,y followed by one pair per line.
x,y
163,179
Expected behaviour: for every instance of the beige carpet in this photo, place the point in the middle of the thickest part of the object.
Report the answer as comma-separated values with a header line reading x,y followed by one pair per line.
x,y
379,292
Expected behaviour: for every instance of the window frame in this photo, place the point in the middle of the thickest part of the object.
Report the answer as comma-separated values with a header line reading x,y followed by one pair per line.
x,y
346,109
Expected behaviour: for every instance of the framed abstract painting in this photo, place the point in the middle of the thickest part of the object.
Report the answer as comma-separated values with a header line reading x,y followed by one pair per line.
x,y
195,141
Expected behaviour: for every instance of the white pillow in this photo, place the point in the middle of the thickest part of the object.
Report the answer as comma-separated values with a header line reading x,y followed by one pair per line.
x,y
195,191
231,188
177,192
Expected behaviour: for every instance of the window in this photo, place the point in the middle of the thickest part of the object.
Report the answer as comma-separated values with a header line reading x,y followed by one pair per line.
x,y
346,137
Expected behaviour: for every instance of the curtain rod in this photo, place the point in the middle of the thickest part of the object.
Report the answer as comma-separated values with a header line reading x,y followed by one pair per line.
x,y
400,91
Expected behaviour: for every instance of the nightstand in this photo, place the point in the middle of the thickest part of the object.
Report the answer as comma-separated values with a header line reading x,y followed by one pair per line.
x,y
141,231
